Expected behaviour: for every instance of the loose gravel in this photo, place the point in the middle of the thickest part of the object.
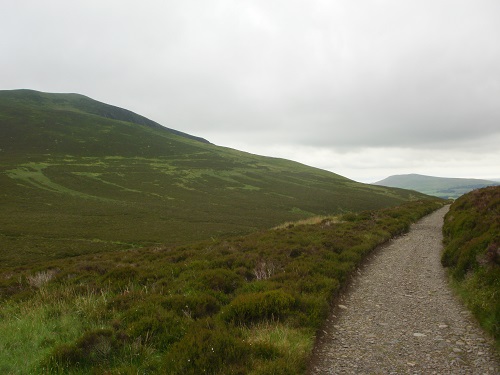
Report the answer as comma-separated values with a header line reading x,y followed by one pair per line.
x,y
400,317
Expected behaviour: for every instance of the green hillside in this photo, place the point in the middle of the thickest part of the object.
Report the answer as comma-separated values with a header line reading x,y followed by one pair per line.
x,y
438,186
79,176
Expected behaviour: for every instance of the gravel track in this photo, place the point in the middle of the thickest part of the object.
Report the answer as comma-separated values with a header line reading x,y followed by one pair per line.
x,y
400,317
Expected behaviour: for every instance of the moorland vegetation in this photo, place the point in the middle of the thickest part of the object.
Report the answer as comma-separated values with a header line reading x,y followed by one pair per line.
x,y
472,254
243,305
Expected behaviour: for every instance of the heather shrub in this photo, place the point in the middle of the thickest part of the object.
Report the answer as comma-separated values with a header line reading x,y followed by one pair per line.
x,y
120,277
193,306
207,348
221,280
254,307
96,347
318,284
124,301
160,329
258,286
312,310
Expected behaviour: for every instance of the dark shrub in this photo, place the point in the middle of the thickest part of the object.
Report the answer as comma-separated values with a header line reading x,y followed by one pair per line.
x,y
125,301
120,277
162,328
194,306
206,349
253,307
95,347
221,280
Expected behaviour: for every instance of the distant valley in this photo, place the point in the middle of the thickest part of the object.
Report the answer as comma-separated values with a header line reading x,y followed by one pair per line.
x,y
437,186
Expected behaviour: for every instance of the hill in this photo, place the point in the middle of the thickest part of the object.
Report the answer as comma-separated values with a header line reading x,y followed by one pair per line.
x,y
438,186
79,176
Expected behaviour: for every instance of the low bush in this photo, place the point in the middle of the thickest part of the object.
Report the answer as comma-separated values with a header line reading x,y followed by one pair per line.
x,y
161,329
97,347
254,307
193,306
206,349
221,280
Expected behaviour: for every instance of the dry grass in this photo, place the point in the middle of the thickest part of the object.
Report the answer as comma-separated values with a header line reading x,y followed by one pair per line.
x,y
41,278
314,220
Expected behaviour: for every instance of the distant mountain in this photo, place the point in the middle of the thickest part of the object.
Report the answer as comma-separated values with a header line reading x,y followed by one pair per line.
x,y
437,186
80,176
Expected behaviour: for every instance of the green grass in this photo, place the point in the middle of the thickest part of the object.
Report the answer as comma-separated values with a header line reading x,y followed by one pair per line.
x,y
217,306
472,254
30,329
292,345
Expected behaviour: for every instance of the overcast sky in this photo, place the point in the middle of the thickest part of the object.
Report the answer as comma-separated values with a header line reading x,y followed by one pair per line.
x,y
363,88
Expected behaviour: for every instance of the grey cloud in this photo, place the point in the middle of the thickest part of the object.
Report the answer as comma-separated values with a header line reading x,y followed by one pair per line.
x,y
340,75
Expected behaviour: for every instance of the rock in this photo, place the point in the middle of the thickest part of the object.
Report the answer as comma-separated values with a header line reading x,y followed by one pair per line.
x,y
343,307
418,334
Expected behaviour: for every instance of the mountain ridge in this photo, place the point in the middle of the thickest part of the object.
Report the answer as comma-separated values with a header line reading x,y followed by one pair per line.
x,y
72,101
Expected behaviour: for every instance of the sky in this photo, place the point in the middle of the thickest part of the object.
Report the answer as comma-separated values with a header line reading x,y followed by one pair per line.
x,y
362,88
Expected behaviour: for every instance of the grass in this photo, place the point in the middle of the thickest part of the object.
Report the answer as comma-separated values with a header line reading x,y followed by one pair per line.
x,y
217,306
30,329
292,345
327,220
472,254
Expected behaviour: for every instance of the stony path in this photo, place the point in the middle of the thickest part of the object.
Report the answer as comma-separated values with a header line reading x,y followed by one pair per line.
x,y
399,316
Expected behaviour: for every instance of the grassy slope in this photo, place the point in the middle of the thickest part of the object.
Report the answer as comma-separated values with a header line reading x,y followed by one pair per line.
x,y
472,253
243,305
437,186
78,176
